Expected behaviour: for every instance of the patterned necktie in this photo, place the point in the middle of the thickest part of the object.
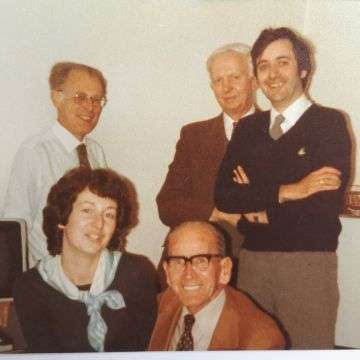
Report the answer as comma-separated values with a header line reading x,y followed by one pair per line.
x,y
82,154
186,341
276,131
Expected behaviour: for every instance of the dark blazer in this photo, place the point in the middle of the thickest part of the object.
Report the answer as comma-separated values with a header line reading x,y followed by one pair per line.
x,y
241,325
187,193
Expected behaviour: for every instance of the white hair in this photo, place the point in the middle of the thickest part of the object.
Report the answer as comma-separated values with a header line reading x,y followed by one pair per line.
x,y
238,48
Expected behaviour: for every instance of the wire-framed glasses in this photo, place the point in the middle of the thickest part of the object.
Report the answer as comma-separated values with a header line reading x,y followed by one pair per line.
x,y
81,98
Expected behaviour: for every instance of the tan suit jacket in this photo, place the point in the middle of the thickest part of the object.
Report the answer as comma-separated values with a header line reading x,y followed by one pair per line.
x,y
241,326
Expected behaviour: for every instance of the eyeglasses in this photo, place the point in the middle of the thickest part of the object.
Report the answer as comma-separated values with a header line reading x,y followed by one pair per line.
x,y
198,262
82,99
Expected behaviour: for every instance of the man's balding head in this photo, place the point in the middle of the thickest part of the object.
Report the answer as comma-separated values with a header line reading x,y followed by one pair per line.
x,y
196,267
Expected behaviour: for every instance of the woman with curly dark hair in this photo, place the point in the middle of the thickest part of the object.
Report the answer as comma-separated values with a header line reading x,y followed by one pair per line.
x,y
88,294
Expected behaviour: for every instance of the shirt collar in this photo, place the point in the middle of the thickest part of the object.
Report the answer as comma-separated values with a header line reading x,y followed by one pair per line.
x,y
228,122
69,141
208,311
292,113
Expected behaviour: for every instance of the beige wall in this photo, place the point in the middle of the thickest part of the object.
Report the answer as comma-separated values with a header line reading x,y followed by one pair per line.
x,y
153,53
334,28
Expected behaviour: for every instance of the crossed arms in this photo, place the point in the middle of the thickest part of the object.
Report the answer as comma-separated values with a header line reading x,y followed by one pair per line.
x,y
266,191
324,179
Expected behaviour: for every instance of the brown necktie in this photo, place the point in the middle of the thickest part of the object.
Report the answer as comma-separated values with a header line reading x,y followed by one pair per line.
x,y
234,124
82,154
276,131
186,341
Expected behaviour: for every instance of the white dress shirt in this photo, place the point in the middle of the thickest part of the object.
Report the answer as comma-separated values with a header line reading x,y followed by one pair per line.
x,y
228,122
205,322
292,114
40,161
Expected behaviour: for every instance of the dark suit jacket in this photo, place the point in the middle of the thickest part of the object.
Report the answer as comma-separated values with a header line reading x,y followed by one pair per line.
x,y
187,193
241,324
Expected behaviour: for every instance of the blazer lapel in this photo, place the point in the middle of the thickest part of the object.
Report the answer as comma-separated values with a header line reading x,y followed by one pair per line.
x,y
226,333
168,317
217,137
170,320
219,127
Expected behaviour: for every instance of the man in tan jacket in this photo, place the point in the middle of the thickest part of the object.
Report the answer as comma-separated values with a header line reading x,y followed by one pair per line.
x,y
199,311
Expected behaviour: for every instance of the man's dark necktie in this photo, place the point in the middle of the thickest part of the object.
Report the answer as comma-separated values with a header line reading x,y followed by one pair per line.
x,y
82,154
234,124
275,130
186,341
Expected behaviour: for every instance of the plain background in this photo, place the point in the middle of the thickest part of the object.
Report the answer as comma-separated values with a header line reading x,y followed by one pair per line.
x,y
153,54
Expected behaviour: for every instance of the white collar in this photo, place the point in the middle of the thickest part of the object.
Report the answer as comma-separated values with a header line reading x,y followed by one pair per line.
x,y
292,113
69,141
209,311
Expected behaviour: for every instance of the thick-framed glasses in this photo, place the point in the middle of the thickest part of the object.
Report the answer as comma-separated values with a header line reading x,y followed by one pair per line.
x,y
198,262
81,99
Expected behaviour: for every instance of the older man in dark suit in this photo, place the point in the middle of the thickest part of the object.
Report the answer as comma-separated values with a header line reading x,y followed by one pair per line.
x,y
187,193
199,311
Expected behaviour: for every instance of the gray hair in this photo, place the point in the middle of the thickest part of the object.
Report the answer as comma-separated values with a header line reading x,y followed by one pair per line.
x,y
238,48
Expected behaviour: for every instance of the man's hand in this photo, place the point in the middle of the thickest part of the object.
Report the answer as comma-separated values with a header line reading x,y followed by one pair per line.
x,y
218,215
259,217
324,179
240,176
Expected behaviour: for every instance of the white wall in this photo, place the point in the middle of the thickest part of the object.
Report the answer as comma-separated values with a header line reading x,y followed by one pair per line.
x,y
153,54
334,28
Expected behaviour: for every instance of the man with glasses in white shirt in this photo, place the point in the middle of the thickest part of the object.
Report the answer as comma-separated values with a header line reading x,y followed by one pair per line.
x,y
78,93
198,311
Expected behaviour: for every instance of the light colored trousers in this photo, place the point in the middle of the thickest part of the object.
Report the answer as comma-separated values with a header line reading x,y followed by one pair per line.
x,y
299,289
